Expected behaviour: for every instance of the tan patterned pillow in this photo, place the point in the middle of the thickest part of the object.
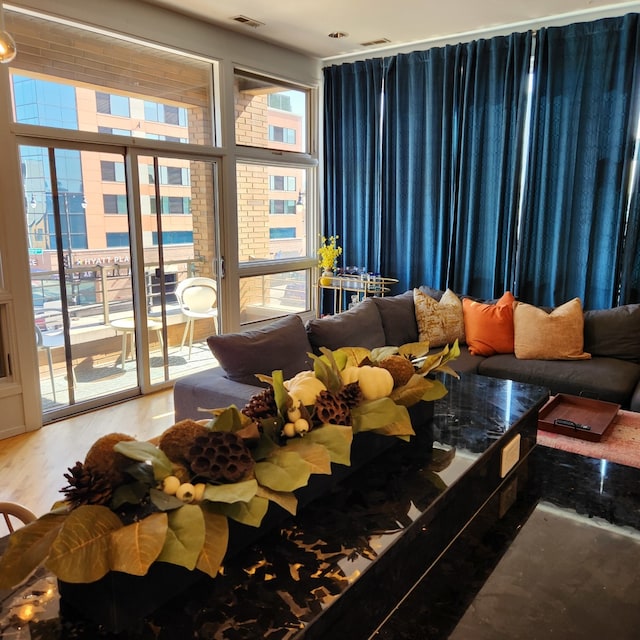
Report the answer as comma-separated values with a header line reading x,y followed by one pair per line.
x,y
439,322
558,335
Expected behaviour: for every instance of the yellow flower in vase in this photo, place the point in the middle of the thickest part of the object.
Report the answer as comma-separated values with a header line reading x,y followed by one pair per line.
x,y
328,257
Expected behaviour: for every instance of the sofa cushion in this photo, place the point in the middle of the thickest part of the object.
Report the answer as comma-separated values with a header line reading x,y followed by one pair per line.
x,y
613,332
194,395
440,322
607,379
398,318
464,363
283,344
558,335
360,326
488,328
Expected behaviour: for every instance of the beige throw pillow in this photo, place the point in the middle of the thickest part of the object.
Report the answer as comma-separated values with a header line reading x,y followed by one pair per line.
x,y
558,335
440,322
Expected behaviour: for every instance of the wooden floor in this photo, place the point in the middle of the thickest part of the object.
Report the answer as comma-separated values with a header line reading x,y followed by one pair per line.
x,y
32,465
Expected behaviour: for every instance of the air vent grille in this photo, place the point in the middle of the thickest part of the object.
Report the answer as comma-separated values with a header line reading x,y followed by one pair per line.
x,y
373,43
249,22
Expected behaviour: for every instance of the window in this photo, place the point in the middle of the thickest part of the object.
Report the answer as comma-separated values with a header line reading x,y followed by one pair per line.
x,y
269,115
282,183
168,114
127,82
44,102
172,175
114,203
280,101
282,134
281,233
173,237
112,104
115,239
114,132
282,206
112,171
175,204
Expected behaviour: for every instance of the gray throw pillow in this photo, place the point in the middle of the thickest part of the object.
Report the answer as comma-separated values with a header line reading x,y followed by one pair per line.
x,y
614,333
360,326
283,344
398,316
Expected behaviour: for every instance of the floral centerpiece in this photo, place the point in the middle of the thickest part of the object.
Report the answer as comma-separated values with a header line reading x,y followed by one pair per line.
x,y
328,253
131,504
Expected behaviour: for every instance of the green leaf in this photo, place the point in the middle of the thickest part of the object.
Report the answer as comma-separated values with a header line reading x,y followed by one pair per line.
x,y
280,393
412,392
355,355
316,455
380,353
436,391
135,547
271,428
227,420
335,439
80,552
185,537
164,501
131,493
285,499
141,471
146,452
382,415
326,369
27,548
414,349
233,492
216,541
283,471
250,513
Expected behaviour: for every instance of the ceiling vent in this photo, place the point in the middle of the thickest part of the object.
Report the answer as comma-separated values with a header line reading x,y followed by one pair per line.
x,y
249,22
373,43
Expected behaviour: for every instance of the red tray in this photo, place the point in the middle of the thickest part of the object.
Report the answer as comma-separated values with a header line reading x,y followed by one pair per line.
x,y
571,415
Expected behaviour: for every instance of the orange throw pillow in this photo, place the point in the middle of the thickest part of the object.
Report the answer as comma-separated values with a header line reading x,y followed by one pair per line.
x,y
488,328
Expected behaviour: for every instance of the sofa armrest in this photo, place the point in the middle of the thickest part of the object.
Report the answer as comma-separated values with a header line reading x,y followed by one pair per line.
x,y
209,389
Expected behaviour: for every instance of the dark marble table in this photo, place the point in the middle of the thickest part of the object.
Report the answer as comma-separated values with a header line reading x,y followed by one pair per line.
x,y
560,565
349,557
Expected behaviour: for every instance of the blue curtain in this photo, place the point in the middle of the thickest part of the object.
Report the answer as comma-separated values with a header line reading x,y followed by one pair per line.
x,y
492,117
352,121
420,136
629,289
583,128
434,201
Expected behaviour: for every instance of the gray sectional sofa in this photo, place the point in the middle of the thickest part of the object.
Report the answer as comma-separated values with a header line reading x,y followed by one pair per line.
x,y
611,336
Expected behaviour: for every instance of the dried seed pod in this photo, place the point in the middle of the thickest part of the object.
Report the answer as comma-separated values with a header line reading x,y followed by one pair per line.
x,y
220,457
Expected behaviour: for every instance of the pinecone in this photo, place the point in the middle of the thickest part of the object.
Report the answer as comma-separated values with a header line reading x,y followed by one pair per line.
x,y
262,405
86,487
332,408
352,394
400,369
221,457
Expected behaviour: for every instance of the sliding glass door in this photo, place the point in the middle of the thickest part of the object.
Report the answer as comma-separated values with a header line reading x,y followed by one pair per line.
x,y
109,254
179,216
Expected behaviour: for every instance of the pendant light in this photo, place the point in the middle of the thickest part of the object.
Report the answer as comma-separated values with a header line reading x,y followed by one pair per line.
x,y
7,43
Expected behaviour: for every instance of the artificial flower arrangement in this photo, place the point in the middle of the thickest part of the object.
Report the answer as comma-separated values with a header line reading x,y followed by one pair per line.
x,y
131,503
329,253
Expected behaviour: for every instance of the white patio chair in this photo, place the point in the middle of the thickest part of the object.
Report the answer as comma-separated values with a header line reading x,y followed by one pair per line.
x,y
197,298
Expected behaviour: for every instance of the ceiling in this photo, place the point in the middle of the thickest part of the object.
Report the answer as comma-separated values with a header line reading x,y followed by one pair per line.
x,y
304,25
